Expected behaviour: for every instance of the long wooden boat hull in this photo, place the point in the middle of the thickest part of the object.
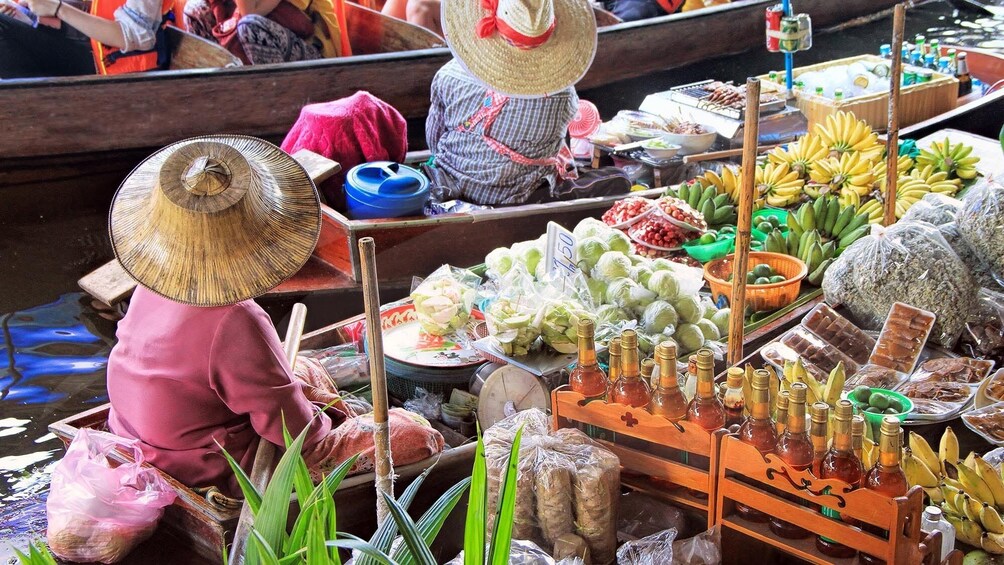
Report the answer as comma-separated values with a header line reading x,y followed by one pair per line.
x,y
71,115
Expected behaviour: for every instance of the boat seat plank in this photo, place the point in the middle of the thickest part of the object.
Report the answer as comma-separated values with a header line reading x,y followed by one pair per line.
x,y
605,18
109,283
189,51
372,32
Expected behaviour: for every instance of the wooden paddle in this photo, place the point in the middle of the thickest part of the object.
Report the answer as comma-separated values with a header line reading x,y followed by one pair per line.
x,y
892,136
264,459
378,376
724,153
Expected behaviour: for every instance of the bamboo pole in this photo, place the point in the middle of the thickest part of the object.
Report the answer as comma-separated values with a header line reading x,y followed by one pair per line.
x,y
264,458
378,376
740,262
892,136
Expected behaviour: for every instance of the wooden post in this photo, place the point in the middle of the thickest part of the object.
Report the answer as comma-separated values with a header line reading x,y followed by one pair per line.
x,y
378,376
264,459
892,136
740,261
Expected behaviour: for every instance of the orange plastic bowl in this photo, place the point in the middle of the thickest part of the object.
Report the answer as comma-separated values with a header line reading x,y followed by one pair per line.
x,y
764,296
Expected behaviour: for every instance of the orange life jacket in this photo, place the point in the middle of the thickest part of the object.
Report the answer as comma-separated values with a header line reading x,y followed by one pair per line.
x,y
113,61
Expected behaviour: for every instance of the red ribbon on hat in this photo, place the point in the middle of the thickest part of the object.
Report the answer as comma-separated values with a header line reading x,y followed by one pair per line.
x,y
490,23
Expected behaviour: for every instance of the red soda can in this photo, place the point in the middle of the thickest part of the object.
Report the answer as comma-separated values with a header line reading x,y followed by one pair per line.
x,y
773,17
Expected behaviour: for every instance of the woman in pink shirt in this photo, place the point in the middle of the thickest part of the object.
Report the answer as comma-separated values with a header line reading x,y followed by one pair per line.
x,y
204,225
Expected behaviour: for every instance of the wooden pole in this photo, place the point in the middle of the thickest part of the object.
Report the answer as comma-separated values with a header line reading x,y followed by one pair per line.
x,y
740,262
264,459
892,136
378,376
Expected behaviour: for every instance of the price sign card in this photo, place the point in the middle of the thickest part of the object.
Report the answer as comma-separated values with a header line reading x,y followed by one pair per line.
x,y
560,252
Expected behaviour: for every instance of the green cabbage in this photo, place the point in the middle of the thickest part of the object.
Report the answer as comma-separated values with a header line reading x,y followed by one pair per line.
x,y
597,290
589,227
721,320
617,240
690,337
619,292
559,325
664,284
688,308
589,251
499,261
639,298
662,265
641,274
658,317
530,257
612,265
709,329
610,314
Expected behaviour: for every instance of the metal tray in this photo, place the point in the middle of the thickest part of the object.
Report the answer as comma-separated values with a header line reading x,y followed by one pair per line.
x,y
694,95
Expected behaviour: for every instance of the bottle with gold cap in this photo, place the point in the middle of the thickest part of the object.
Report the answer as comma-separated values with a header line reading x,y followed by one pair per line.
x,y
886,477
840,463
587,377
733,401
630,389
781,412
690,385
758,430
819,415
858,435
706,410
794,448
647,370
614,369
667,397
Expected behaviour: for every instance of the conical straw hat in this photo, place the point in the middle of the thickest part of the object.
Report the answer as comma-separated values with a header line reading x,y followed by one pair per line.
x,y
215,220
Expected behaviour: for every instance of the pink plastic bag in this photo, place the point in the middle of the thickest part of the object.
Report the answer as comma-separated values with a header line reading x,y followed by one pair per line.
x,y
97,511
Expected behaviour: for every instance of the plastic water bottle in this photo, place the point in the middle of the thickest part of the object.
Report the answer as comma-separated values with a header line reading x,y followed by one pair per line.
x,y
885,51
930,63
933,520
978,86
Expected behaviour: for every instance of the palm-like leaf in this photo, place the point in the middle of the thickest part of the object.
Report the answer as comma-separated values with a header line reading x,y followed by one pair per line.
x,y
351,542
251,494
270,522
502,536
432,521
477,512
419,549
384,536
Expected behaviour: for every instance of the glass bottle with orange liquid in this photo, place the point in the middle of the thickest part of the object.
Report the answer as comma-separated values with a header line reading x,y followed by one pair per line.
x,y
758,430
630,389
819,415
733,401
886,477
614,367
690,383
587,378
706,410
668,400
781,412
794,448
840,463
857,436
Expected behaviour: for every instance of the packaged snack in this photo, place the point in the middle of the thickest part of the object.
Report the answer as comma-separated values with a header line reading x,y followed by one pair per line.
x,y
988,422
906,262
937,399
953,370
816,351
981,221
995,387
876,376
984,335
903,337
839,332
778,353
512,316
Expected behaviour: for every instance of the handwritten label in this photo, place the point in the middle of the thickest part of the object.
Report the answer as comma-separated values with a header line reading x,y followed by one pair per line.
x,y
560,252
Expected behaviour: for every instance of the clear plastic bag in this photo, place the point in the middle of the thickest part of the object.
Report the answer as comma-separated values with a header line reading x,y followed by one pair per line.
x,y
97,511
512,315
346,366
934,208
980,270
981,222
702,549
906,262
525,552
425,403
656,549
443,301
559,314
642,515
984,335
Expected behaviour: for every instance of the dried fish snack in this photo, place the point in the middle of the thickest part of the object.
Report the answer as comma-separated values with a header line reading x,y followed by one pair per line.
x,y
779,353
907,262
903,337
995,388
934,398
816,351
981,222
988,422
876,376
953,370
984,335
839,332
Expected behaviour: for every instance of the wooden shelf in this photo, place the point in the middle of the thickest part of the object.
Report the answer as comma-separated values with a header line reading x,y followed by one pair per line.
x,y
804,549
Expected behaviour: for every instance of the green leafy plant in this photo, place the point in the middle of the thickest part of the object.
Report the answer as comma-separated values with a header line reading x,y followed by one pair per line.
x,y
39,555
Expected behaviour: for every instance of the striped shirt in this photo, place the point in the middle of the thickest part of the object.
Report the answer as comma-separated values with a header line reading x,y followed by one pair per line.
x,y
533,127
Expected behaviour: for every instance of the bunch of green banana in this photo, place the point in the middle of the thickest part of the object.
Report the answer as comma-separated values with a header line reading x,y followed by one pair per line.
x,y
717,209
809,248
833,221
953,159
970,492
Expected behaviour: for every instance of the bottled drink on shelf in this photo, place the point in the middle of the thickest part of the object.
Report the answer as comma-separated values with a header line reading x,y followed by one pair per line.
x,y
905,53
734,402
772,76
917,58
794,448
857,435
933,520
630,389
759,431
885,51
886,477
838,94
690,386
909,77
978,86
819,414
668,400
819,91
614,370
920,44
944,66
647,370
706,410
587,377
781,412
930,62
934,47
952,54
962,73
840,463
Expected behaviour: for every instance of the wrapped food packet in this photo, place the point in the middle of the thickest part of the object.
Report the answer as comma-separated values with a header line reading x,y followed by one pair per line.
x,y
981,222
906,262
498,442
980,270
656,549
984,335
934,208
559,315
444,299
553,493
512,317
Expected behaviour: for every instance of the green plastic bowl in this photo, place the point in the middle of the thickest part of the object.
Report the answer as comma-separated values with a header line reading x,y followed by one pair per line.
x,y
759,215
710,251
875,420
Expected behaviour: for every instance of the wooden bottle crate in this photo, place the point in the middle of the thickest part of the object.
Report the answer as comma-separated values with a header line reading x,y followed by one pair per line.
x,y
746,476
569,408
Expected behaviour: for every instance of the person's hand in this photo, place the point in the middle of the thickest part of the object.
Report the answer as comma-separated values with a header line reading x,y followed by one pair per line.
x,y
41,8
7,10
425,13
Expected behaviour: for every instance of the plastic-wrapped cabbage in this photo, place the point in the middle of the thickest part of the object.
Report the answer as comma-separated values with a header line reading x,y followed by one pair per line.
x,y
597,291
689,308
664,284
721,320
639,298
981,222
529,253
611,266
590,227
662,265
690,337
618,241
559,324
641,274
658,317
588,251
709,329
611,314
498,262
619,292
444,299
513,324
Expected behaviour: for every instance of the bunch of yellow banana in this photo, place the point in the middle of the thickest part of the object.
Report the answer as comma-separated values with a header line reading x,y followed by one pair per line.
x,y
954,159
849,176
777,185
844,133
795,372
801,155
903,166
726,183
937,180
970,492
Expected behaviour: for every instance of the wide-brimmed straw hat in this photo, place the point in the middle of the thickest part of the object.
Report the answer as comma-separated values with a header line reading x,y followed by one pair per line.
x,y
215,220
522,48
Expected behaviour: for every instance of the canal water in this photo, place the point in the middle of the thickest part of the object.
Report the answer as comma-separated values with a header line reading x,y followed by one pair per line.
x,y
55,342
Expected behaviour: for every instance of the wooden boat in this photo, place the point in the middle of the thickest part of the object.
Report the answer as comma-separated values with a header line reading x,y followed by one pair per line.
x,y
392,59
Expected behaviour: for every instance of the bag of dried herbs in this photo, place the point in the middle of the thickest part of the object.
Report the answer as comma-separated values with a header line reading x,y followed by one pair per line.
x,y
981,222
934,208
907,262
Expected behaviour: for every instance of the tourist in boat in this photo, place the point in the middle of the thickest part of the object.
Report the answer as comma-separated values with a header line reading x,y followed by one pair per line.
x,y
113,37
261,32
500,109
633,10
425,13
204,226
